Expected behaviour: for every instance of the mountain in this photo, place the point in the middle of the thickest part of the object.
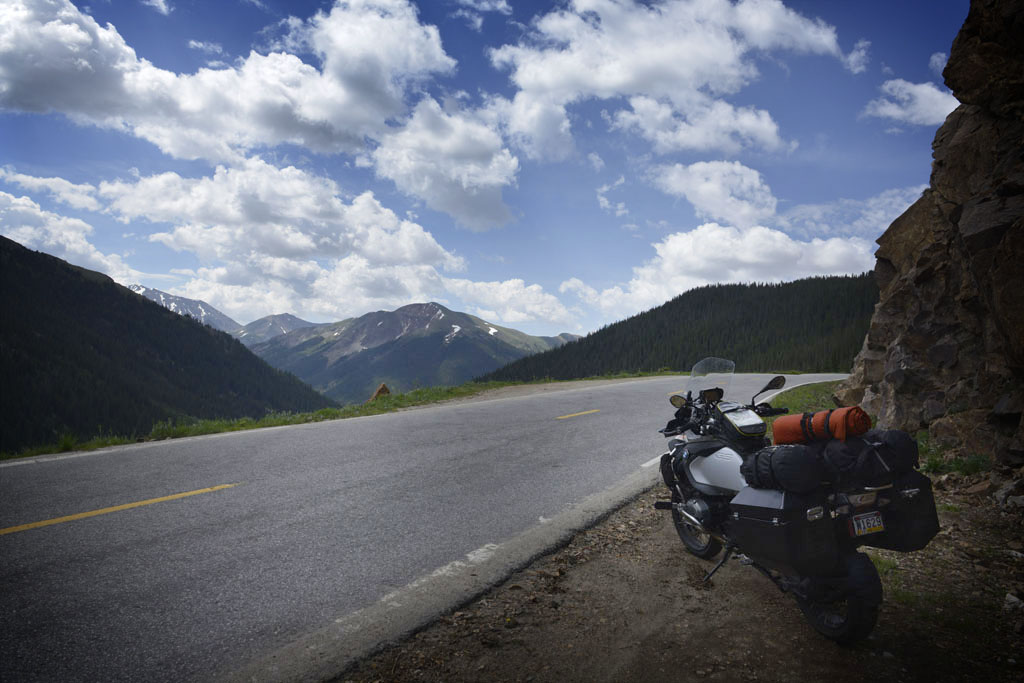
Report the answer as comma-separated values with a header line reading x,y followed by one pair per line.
x,y
815,324
82,355
193,308
418,345
267,328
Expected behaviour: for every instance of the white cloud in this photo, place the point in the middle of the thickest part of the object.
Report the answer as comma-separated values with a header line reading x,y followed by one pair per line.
x,y
719,190
207,47
284,235
923,104
500,6
705,125
714,253
77,196
160,6
54,58
857,60
595,160
683,54
867,218
373,56
454,162
937,62
25,222
510,301
619,208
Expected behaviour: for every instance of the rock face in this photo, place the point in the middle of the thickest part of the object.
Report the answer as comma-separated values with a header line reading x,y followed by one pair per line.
x,y
945,350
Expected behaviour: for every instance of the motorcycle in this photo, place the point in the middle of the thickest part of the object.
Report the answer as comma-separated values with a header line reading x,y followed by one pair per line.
x,y
804,541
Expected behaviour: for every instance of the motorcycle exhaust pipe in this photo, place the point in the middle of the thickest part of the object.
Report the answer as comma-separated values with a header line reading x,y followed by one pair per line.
x,y
669,505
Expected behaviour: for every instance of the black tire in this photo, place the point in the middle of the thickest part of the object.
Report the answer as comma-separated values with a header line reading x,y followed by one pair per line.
x,y
852,618
697,542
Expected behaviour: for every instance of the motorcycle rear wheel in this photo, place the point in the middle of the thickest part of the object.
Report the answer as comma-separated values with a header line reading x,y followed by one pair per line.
x,y
852,618
698,543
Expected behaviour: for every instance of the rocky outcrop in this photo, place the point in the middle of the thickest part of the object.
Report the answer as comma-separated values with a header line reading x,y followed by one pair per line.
x,y
945,349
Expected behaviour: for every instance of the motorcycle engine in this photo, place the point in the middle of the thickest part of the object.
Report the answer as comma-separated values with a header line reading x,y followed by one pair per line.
x,y
699,509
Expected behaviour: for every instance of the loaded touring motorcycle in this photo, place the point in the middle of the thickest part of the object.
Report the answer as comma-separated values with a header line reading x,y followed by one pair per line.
x,y
795,512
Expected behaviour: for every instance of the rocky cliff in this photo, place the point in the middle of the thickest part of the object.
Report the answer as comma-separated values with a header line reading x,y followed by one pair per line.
x,y
945,350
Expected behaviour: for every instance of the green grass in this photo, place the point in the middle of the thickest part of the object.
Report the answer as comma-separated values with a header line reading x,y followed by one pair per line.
x,y
808,398
932,460
884,565
188,426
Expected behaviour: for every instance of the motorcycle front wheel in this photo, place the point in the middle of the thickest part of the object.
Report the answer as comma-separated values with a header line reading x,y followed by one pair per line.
x,y
697,542
853,617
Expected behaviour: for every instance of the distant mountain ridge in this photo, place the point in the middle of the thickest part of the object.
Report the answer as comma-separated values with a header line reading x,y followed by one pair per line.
x,y
814,324
193,308
418,345
268,327
82,355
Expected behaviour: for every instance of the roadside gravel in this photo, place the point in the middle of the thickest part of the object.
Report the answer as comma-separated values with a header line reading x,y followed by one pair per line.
x,y
623,602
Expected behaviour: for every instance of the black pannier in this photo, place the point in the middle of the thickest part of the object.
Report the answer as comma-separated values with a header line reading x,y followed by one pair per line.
x,y
910,519
787,531
792,467
876,458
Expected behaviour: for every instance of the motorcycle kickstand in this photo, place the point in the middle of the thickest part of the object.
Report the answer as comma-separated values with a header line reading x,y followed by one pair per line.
x,y
725,558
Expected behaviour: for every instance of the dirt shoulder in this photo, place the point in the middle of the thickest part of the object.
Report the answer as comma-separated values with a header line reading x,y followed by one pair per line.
x,y
623,602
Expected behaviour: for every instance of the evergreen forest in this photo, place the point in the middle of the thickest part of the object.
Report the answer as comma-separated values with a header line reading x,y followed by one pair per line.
x,y
813,325
83,356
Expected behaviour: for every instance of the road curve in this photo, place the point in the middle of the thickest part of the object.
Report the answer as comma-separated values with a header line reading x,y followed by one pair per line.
x,y
280,554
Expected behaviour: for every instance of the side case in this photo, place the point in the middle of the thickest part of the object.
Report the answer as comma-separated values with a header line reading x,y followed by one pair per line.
x,y
774,529
910,519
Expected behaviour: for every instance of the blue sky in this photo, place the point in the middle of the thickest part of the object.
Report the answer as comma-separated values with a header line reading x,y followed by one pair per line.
x,y
550,166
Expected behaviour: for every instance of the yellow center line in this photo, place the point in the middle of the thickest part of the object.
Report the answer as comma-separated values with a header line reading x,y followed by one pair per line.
x,y
585,412
116,508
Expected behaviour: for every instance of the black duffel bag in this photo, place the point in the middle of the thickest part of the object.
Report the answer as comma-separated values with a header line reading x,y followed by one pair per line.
x,y
796,468
874,459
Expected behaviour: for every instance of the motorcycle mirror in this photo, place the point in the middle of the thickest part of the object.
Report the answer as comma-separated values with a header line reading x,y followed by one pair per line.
x,y
677,401
776,382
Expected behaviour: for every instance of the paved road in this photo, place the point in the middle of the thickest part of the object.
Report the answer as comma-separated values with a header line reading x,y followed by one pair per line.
x,y
330,534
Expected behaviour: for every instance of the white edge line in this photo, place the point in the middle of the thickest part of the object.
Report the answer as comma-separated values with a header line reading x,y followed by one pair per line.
x,y
652,461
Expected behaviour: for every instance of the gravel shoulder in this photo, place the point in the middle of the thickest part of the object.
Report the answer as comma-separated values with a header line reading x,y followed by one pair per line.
x,y
623,602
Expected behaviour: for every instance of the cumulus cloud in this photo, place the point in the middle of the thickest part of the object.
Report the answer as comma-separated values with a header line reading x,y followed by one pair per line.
x,y
937,62
702,124
77,196
922,104
715,253
719,190
857,60
265,231
473,10
372,56
510,301
54,58
455,163
680,56
25,222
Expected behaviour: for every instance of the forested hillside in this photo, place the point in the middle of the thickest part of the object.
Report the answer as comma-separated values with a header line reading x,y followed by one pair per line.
x,y
81,355
816,324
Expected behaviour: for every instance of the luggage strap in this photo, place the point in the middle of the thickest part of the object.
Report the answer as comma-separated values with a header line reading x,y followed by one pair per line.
x,y
828,431
807,426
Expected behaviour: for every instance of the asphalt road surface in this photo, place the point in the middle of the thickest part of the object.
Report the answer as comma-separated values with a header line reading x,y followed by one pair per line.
x,y
298,547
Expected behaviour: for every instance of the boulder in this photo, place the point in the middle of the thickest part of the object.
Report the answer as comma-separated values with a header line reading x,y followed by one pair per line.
x,y
945,348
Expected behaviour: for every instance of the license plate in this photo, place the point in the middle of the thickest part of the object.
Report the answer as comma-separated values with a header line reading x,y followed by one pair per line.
x,y
867,523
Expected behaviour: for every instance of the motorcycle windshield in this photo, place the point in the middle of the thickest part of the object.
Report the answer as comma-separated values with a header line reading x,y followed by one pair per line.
x,y
710,373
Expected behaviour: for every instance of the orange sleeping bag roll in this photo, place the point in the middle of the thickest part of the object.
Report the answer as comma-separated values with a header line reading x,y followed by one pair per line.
x,y
821,426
